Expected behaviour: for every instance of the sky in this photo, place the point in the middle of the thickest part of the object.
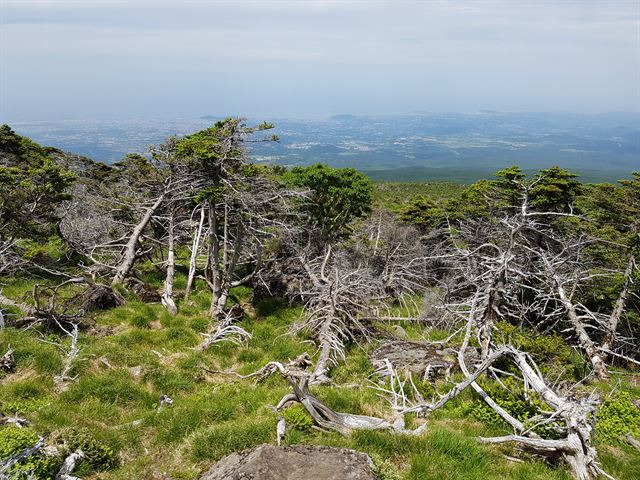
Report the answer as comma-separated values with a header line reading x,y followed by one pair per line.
x,y
92,59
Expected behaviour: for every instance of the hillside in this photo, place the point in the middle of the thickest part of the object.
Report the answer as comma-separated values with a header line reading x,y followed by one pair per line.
x,y
163,312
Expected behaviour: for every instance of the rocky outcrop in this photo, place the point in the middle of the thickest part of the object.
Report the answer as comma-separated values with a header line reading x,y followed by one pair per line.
x,y
296,462
427,360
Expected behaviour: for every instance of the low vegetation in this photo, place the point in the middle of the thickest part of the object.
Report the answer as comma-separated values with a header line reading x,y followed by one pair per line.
x,y
165,311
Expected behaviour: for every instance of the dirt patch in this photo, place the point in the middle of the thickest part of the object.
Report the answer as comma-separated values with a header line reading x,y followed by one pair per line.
x,y
427,360
296,462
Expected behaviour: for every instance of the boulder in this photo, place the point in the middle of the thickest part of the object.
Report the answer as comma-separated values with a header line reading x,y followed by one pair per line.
x,y
296,462
424,359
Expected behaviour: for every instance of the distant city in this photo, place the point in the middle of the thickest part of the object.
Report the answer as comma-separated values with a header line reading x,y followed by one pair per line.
x,y
412,147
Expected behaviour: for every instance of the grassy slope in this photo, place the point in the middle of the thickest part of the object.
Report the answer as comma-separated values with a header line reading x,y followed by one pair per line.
x,y
142,353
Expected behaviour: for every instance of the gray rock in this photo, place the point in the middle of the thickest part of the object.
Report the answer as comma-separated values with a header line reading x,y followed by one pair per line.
x,y
425,359
296,462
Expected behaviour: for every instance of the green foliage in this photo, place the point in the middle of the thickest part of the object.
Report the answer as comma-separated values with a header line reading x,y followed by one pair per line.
x,y
549,350
384,468
339,196
31,186
509,183
20,407
616,417
514,400
48,251
98,454
555,190
12,441
297,417
552,189
394,196
422,212
475,201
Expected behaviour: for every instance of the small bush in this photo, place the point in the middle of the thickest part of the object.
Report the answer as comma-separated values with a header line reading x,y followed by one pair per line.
x,y
384,469
515,402
616,417
14,440
29,405
140,320
98,455
297,417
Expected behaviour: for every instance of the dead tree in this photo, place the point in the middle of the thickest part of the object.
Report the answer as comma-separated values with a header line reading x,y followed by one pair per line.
x,y
195,247
522,270
338,297
71,353
167,292
128,256
613,321
344,288
7,362
242,207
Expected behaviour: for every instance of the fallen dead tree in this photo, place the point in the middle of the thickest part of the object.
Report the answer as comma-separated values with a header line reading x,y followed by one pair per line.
x,y
66,305
225,331
344,289
572,418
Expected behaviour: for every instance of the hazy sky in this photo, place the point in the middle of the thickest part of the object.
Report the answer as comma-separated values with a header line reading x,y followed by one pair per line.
x,y
172,58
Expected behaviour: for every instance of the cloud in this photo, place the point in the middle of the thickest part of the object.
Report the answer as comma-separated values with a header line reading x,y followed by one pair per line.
x,y
482,53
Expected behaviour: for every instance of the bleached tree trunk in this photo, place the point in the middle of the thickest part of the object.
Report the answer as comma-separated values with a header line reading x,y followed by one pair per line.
x,y
618,309
214,276
129,254
194,255
223,257
584,340
167,294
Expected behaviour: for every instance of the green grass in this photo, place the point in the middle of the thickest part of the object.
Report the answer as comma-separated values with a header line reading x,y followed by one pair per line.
x,y
147,353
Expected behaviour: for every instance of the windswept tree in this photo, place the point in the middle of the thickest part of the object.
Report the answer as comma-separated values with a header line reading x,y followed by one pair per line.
x,y
242,205
338,196
32,187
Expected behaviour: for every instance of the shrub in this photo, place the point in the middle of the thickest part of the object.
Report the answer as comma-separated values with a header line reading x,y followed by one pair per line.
x,y
39,466
513,400
97,455
617,416
384,469
297,417
29,405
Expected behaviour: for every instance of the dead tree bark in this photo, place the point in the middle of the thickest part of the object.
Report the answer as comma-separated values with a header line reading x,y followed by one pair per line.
x,y
619,307
69,465
167,293
585,342
193,261
129,252
6,361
